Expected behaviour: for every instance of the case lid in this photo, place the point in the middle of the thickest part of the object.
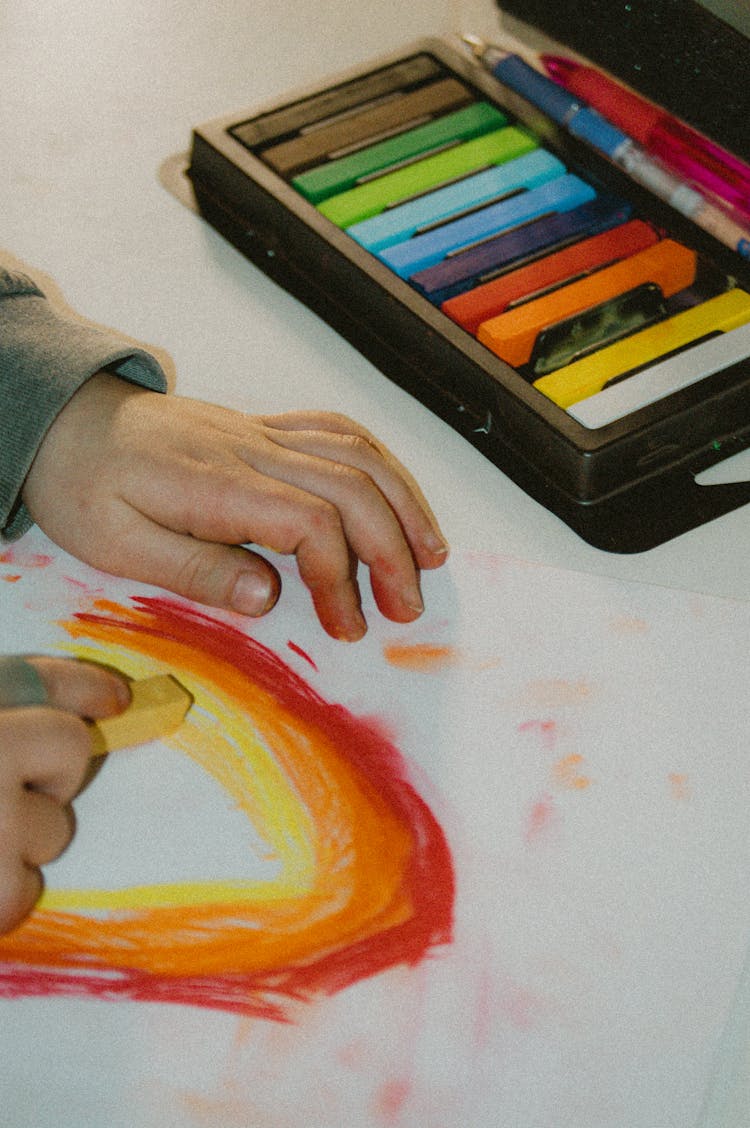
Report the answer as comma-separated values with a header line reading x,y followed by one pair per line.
x,y
675,52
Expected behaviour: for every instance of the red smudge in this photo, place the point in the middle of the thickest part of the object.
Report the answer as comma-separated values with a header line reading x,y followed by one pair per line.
x,y
302,653
392,1097
542,815
521,1006
547,731
33,560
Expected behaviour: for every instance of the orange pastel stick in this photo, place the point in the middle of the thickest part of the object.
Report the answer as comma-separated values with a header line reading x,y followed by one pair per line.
x,y
470,309
512,335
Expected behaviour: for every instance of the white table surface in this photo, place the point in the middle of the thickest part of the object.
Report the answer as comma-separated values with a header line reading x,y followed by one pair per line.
x,y
96,96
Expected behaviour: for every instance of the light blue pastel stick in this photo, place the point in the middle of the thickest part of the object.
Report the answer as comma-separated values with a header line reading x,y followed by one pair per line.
x,y
559,195
402,222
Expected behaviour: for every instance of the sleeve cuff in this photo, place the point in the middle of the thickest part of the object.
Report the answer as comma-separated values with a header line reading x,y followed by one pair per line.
x,y
45,357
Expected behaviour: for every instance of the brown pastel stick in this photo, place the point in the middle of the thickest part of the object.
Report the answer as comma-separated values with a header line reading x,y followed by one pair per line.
x,y
367,126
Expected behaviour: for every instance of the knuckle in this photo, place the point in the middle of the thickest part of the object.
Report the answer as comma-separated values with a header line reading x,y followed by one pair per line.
x,y
360,447
194,575
324,524
353,483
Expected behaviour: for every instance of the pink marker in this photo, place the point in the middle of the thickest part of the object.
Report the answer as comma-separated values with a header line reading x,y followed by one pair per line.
x,y
675,144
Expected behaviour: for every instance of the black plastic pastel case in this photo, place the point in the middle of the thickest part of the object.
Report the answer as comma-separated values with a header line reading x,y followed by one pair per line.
x,y
624,487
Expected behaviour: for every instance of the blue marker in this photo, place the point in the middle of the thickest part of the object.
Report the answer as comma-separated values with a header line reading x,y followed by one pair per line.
x,y
408,219
423,251
585,123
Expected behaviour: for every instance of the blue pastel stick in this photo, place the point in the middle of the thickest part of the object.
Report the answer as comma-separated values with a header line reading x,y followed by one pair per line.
x,y
405,220
462,272
423,251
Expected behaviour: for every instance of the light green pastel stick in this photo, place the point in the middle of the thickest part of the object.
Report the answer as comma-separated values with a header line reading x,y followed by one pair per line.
x,y
394,187
339,175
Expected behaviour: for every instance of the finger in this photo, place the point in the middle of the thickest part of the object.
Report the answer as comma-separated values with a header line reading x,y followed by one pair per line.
x,y
214,573
48,827
336,437
284,519
20,888
335,596
355,515
320,509
43,750
83,688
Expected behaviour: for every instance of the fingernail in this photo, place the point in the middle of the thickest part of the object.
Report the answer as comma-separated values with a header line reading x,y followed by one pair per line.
x,y
352,630
254,593
415,603
436,543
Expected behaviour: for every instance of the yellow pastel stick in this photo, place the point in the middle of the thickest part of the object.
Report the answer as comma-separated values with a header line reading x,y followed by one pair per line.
x,y
158,706
586,377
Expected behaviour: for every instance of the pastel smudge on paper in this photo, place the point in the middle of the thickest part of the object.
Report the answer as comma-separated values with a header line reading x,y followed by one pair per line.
x,y
26,559
420,657
365,878
679,786
555,693
542,817
568,773
546,730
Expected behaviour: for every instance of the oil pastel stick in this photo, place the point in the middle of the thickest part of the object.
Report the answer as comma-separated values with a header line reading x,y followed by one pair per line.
x,y
588,376
417,254
366,125
512,249
663,379
336,177
334,102
481,303
405,220
451,164
157,708
512,335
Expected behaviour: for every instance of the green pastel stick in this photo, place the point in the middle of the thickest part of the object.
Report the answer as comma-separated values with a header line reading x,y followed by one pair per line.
x,y
395,187
338,175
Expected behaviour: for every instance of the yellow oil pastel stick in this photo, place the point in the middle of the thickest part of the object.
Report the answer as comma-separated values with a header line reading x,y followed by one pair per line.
x,y
157,708
589,375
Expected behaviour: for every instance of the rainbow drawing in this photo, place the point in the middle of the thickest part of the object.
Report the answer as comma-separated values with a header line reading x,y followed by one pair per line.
x,y
364,879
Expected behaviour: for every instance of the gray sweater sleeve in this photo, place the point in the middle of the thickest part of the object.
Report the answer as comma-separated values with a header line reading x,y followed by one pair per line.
x,y
45,356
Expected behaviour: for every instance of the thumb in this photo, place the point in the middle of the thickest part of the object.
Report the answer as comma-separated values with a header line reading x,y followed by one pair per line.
x,y
218,575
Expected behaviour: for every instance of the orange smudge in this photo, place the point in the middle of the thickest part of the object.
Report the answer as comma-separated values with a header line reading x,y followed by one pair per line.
x,y
566,773
627,624
553,693
10,579
679,786
421,657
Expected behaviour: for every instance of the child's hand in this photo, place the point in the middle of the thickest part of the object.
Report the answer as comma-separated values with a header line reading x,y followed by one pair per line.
x,y
45,751
156,488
